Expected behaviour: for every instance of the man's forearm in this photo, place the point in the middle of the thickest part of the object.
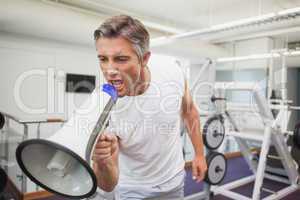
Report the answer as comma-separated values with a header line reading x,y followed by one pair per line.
x,y
107,175
192,123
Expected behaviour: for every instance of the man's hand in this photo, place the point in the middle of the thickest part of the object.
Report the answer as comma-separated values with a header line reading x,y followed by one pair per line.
x,y
106,146
199,168
105,157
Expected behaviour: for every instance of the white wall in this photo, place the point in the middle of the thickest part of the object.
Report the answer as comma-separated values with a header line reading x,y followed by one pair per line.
x,y
48,62
246,48
42,64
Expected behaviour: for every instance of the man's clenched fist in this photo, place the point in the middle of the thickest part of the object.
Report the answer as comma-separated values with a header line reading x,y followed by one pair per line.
x,y
106,146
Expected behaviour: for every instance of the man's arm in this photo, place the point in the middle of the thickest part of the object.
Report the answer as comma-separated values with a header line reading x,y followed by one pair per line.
x,y
106,166
191,120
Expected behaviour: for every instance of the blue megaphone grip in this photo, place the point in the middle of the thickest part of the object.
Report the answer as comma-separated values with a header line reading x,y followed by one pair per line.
x,y
111,90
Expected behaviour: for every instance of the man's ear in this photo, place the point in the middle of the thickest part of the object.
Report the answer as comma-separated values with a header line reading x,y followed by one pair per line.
x,y
146,58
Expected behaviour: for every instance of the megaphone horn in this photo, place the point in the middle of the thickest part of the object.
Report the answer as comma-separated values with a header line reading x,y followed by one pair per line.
x,y
61,163
3,180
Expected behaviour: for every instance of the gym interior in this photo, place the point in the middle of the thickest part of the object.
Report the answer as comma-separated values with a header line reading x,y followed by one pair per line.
x,y
241,63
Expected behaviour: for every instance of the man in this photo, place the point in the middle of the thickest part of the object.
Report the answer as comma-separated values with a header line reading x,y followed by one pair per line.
x,y
141,151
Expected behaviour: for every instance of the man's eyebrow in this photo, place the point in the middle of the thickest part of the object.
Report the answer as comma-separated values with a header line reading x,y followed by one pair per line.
x,y
123,56
116,54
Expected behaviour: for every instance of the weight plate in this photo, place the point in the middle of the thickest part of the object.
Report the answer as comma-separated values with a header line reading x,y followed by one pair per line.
x,y
214,132
216,168
2,120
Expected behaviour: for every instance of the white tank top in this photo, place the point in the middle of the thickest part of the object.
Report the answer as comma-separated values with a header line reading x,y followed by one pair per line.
x,y
148,127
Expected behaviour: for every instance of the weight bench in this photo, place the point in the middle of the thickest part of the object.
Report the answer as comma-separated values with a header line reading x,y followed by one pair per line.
x,y
270,134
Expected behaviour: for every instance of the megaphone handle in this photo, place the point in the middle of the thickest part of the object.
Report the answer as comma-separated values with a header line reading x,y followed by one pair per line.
x,y
99,127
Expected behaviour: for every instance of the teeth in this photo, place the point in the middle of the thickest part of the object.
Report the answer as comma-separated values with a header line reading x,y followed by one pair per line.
x,y
117,82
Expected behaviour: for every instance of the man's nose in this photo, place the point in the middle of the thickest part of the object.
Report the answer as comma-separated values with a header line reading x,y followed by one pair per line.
x,y
112,71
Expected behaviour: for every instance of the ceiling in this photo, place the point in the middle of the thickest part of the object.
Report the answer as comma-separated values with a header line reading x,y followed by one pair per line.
x,y
74,21
170,17
191,14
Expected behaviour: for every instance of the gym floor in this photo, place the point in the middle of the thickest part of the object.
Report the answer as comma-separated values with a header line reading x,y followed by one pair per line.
x,y
237,168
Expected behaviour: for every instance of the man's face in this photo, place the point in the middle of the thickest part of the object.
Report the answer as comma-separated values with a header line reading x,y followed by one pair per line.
x,y
119,64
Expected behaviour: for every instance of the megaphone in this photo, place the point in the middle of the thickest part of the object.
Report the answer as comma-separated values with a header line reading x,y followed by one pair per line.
x,y
2,120
3,180
61,164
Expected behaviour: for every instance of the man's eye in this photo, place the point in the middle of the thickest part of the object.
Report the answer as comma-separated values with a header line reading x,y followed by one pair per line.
x,y
122,59
102,59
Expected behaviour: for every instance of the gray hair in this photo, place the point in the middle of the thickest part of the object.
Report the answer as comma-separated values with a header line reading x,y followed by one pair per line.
x,y
127,27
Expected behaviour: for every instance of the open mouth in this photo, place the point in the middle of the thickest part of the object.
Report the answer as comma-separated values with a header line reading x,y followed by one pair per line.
x,y
118,84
